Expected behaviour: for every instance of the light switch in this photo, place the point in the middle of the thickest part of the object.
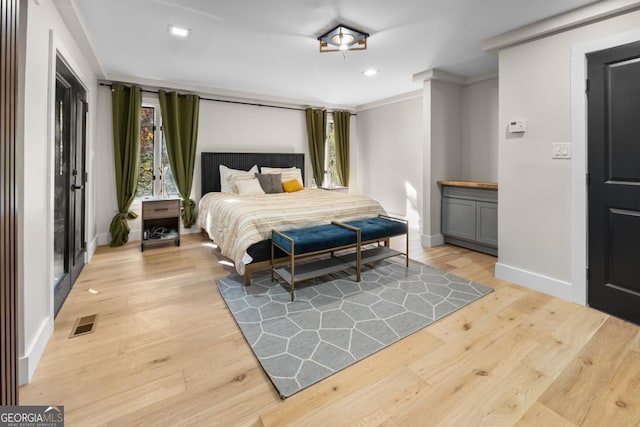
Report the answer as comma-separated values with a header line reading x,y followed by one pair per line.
x,y
561,150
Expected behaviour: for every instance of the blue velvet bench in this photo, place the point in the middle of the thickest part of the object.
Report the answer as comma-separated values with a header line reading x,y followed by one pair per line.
x,y
329,238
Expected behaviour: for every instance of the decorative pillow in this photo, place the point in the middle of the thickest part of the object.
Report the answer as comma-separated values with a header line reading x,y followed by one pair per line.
x,y
249,187
287,173
292,185
234,178
225,172
270,182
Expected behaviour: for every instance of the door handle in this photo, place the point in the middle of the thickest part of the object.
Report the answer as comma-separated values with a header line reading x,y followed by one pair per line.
x,y
76,187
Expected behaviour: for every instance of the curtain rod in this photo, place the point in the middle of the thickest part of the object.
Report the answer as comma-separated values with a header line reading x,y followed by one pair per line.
x,y
254,104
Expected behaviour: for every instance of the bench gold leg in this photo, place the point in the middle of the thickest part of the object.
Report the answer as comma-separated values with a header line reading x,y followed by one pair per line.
x,y
406,254
293,275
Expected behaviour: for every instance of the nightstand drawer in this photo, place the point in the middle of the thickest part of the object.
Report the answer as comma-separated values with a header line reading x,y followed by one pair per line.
x,y
160,208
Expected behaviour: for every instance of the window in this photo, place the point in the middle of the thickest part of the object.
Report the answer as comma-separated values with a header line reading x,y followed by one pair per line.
x,y
154,174
331,178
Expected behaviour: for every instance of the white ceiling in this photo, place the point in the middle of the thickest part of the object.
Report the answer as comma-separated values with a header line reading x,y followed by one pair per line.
x,y
271,48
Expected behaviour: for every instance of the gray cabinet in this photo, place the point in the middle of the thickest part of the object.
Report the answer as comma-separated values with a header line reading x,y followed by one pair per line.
x,y
459,218
470,218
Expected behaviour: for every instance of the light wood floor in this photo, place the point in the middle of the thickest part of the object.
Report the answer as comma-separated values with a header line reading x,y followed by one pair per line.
x,y
166,351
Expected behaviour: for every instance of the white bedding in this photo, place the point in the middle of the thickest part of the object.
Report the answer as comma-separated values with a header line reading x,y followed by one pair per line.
x,y
236,222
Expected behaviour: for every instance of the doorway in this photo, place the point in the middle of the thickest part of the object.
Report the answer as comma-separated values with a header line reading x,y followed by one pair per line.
x,y
614,181
69,179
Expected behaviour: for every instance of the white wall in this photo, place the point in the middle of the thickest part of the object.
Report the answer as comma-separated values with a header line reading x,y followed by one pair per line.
x,y
447,131
46,33
480,131
107,205
390,140
222,127
444,141
243,128
535,210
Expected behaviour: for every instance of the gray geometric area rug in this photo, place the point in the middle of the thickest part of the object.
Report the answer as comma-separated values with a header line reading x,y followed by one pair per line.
x,y
334,321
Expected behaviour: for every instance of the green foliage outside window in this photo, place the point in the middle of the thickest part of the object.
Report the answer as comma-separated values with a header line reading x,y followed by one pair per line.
x,y
331,176
145,176
168,182
146,170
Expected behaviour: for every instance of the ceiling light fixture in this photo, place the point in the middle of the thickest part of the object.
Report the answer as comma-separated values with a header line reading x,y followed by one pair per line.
x,y
178,31
342,39
370,72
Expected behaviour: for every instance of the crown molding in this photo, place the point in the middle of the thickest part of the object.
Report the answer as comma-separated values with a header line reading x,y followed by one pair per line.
x,y
391,100
223,94
77,27
444,76
436,74
563,22
481,78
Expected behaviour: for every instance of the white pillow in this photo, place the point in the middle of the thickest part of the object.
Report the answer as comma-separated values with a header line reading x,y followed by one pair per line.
x,y
249,187
225,172
287,173
235,177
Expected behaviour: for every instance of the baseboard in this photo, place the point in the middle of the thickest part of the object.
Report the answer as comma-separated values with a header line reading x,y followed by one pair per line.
x,y
194,229
431,241
103,239
28,362
537,282
474,246
91,249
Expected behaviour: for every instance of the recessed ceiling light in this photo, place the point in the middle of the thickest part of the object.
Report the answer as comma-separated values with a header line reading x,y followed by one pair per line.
x,y
370,73
178,31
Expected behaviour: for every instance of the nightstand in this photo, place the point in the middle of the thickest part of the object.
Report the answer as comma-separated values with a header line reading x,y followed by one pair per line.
x,y
160,222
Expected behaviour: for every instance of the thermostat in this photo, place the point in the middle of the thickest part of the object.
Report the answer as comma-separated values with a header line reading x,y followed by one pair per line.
x,y
517,126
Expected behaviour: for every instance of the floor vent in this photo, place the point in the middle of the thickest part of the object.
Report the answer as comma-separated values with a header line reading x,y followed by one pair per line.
x,y
84,325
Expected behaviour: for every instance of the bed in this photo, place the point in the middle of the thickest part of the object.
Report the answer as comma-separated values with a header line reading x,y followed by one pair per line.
x,y
241,225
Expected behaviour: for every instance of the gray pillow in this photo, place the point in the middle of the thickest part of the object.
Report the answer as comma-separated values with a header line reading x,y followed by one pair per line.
x,y
270,182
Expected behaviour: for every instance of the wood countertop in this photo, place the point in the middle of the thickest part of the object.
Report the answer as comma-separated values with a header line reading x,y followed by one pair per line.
x,y
470,184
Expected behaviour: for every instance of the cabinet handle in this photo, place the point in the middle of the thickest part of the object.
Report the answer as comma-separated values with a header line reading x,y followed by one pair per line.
x,y
161,209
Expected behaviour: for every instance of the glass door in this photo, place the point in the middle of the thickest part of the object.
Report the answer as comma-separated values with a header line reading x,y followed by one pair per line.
x,y
61,277
77,187
69,182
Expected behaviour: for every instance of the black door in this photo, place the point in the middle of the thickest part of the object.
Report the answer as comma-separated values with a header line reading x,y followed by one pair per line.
x,y
77,189
69,179
614,180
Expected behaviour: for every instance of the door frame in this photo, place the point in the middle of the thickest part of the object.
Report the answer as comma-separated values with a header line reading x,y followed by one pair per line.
x,y
579,192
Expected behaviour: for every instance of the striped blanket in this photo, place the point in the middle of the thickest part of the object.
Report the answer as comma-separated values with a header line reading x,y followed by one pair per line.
x,y
236,222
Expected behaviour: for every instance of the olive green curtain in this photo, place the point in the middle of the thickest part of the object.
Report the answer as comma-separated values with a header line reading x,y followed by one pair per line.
x,y
317,135
126,103
341,122
180,124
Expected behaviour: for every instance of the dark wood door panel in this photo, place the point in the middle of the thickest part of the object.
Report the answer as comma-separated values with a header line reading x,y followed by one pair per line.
x,y
614,185
623,149
624,258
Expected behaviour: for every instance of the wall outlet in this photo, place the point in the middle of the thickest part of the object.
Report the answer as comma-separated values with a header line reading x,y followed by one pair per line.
x,y
561,150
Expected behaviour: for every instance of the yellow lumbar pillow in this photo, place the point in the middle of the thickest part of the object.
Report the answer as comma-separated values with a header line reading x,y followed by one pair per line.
x,y
291,186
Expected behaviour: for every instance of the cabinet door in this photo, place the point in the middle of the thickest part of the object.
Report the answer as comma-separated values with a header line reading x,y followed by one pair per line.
x,y
459,218
487,223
